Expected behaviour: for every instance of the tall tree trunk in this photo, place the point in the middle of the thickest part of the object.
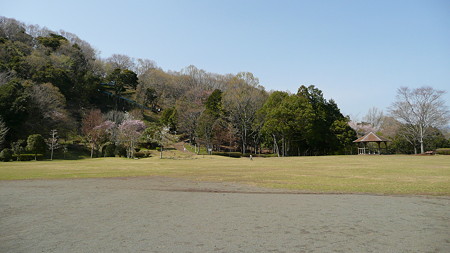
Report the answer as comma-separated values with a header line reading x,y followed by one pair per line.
x,y
244,138
275,145
421,140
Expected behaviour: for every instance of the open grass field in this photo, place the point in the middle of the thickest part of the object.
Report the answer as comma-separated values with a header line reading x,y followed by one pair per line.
x,y
393,174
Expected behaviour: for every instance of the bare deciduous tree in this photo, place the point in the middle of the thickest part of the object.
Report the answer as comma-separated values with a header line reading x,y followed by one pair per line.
x,y
120,61
374,117
89,123
143,65
243,101
52,142
419,110
361,128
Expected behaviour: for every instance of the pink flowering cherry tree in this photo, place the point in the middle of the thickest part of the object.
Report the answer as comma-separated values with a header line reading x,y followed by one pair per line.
x,y
129,133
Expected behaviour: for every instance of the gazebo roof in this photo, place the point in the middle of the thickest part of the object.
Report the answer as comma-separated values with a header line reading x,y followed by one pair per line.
x,y
371,137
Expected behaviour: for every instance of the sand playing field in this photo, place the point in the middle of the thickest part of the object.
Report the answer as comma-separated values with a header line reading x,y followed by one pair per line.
x,y
156,214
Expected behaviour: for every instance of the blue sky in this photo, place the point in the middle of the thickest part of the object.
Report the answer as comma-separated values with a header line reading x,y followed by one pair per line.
x,y
356,52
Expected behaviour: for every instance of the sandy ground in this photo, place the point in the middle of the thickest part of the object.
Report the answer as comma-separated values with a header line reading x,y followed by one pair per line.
x,y
154,214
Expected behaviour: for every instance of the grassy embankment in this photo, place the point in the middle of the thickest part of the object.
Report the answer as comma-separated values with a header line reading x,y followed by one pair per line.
x,y
356,174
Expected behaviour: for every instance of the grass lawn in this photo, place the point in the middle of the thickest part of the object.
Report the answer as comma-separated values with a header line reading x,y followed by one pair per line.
x,y
393,174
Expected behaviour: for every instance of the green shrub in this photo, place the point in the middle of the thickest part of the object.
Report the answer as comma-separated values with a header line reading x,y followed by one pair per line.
x,y
28,157
260,155
443,151
121,151
6,155
109,150
142,154
229,154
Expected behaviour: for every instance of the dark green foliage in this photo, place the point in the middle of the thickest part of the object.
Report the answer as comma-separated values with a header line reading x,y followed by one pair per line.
x,y
128,77
13,57
211,123
141,154
53,41
229,154
3,131
343,137
26,62
435,139
121,78
443,151
28,157
109,150
213,104
259,155
321,135
121,151
304,124
18,147
13,106
169,118
6,155
287,123
36,144
150,97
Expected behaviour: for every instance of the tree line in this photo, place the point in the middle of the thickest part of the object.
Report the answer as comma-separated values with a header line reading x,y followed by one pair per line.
x,y
54,81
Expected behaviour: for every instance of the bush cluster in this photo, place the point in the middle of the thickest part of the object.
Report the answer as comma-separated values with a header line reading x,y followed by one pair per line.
x,y
6,155
239,154
229,154
121,151
27,157
443,151
260,155
109,150
142,154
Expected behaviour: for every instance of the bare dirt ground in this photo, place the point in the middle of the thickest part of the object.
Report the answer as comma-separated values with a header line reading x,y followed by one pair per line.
x,y
155,214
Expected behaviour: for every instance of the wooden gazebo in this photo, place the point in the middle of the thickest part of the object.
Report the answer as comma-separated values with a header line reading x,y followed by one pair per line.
x,y
370,137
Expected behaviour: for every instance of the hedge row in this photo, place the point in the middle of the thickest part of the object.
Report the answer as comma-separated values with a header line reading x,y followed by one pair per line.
x,y
443,151
229,154
142,154
7,155
238,154
260,155
27,157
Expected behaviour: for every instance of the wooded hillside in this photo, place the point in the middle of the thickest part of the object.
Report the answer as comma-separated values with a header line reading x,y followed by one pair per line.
x,y
56,81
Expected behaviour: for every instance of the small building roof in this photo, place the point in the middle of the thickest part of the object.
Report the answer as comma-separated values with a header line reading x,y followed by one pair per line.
x,y
371,137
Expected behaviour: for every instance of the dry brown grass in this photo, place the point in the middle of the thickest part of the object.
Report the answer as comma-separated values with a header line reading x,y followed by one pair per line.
x,y
428,175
